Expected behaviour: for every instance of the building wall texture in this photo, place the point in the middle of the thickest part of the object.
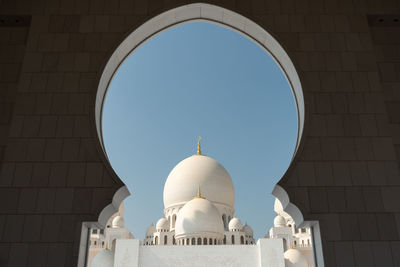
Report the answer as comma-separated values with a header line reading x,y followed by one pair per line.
x,y
54,175
266,253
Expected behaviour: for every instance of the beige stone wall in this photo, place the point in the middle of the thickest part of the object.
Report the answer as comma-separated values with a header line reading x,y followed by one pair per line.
x,y
54,175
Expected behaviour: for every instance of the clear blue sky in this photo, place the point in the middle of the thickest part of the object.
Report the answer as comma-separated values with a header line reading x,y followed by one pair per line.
x,y
199,79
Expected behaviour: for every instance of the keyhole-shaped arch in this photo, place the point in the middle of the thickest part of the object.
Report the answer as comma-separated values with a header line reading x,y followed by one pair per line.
x,y
221,16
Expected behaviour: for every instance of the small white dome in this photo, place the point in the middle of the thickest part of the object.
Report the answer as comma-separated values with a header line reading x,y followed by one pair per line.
x,y
248,230
293,258
162,224
198,170
199,216
150,230
279,210
279,221
118,222
235,224
104,258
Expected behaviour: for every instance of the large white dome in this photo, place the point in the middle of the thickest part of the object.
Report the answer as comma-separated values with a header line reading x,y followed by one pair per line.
x,y
199,216
198,170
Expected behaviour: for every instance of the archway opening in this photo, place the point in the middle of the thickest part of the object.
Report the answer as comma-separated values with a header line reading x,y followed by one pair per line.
x,y
231,21
200,78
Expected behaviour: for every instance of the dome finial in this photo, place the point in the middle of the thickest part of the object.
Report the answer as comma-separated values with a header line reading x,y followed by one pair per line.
x,y
198,146
198,193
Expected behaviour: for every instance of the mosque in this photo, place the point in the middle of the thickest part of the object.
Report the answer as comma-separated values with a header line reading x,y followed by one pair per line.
x,y
205,217
199,228
104,239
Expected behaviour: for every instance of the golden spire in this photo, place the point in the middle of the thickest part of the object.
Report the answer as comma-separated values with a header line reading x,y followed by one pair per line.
x,y
198,193
198,146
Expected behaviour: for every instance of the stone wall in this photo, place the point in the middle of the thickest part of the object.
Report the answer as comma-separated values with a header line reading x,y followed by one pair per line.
x,y
54,174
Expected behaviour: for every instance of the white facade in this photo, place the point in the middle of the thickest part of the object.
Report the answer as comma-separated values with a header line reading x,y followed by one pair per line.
x,y
104,239
266,253
293,238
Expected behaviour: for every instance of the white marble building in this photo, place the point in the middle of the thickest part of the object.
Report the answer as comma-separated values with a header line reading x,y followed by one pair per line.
x,y
293,238
199,227
199,207
104,239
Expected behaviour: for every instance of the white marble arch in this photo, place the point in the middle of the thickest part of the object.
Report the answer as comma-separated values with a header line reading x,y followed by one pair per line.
x,y
240,24
208,13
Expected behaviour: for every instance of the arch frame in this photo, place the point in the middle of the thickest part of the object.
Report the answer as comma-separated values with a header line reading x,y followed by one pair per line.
x,y
242,25
207,13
